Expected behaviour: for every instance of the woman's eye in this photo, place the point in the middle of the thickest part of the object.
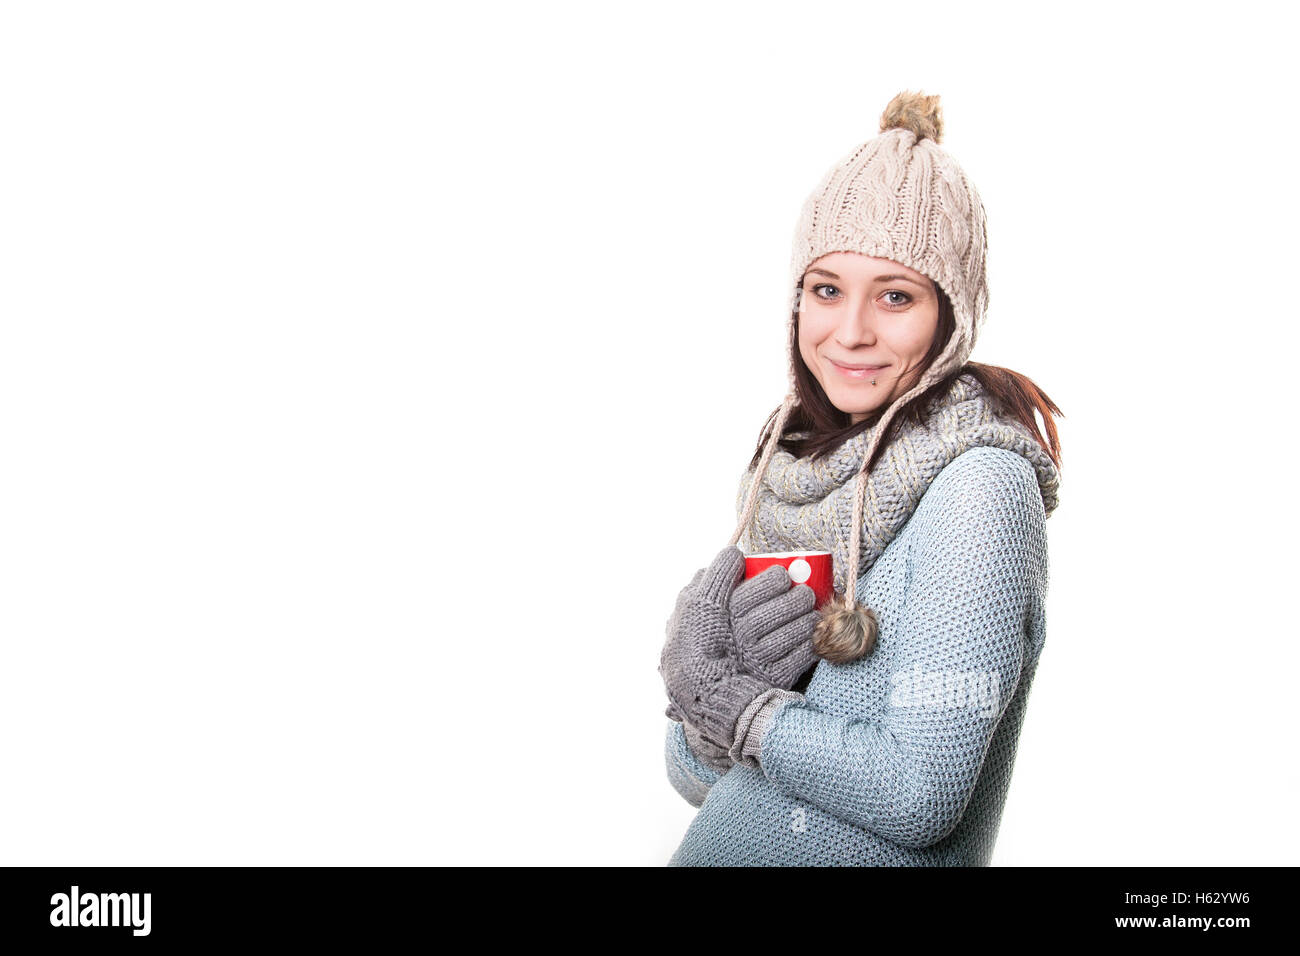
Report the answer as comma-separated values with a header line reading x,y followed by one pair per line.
x,y
903,300
818,290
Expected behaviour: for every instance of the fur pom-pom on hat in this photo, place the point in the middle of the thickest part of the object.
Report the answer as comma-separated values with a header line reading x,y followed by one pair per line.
x,y
916,112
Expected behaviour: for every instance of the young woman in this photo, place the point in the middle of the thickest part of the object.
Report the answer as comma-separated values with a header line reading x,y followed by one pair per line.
x,y
882,729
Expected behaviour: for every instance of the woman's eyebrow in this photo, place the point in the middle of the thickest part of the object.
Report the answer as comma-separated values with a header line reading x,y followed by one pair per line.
x,y
889,278
899,276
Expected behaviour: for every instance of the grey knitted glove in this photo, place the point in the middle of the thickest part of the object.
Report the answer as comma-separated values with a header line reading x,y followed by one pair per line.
x,y
716,626
707,753
775,628
776,650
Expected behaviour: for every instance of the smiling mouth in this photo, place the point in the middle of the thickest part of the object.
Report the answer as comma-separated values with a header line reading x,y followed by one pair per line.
x,y
860,372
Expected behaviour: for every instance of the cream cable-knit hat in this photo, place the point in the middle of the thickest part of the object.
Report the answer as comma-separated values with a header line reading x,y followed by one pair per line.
x,y
898,197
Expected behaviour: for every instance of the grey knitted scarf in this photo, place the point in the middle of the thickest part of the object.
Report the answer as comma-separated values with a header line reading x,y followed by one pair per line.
x,y
807,506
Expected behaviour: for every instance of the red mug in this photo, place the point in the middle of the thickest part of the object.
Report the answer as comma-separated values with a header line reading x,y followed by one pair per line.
x,y
813,568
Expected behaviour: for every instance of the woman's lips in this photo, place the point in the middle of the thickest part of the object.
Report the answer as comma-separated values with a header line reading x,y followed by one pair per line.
x,y
856,372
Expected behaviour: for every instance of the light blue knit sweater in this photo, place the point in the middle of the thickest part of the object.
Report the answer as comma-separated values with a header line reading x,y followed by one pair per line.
x,y
902,758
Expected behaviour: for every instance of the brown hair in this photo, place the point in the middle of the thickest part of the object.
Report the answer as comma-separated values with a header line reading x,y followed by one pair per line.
x,y
828,428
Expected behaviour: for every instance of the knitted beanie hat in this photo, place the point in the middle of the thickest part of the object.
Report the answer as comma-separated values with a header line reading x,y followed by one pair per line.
x,y
898,197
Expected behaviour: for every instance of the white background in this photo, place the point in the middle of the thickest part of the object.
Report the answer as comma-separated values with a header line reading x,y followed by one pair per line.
x,y
374,375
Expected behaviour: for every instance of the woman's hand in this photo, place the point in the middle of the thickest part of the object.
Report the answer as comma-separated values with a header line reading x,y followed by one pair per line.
x,y
727,643
705,752
774,638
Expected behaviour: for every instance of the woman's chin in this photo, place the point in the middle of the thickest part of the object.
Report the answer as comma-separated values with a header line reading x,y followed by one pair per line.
x,y
856,409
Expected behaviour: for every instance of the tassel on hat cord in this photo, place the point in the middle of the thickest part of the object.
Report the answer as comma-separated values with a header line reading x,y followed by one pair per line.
x,y
846,630
751,501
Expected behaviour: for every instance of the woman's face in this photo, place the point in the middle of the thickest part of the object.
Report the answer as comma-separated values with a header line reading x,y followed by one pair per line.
x,y
860,311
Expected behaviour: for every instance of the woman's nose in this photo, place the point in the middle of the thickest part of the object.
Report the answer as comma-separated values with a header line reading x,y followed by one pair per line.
x,y
858,327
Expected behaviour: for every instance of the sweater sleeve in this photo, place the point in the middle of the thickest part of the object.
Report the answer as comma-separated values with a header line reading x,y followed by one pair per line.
x,y
976,563
689,775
